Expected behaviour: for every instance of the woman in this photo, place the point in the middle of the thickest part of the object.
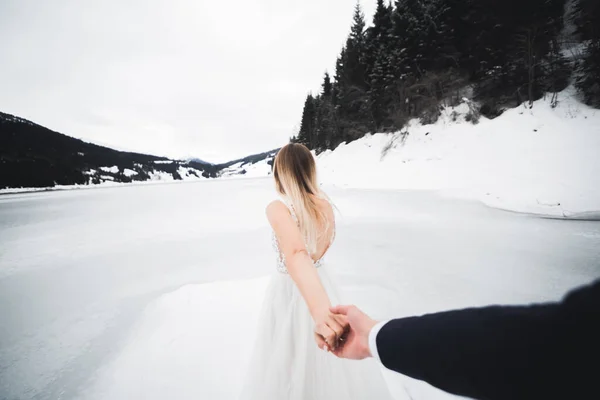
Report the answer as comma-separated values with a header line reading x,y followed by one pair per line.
x,y
287,363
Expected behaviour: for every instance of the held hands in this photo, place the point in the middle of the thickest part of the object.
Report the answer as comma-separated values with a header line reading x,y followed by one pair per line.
x,y
330,330
354,344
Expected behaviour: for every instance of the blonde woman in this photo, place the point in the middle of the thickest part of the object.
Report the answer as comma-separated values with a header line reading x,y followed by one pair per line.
x,y
291,357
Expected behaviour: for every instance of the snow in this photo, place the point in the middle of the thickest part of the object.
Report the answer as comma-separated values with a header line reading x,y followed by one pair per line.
x,y
542,160
261,168
21,190
232,170
163,162
539,160
95,305
161,176
113,170
102,185
175,330
189,174
256,170
129,172
172,335
156,177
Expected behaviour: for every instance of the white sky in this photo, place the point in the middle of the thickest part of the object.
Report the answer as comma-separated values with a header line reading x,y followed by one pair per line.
x,y
210,79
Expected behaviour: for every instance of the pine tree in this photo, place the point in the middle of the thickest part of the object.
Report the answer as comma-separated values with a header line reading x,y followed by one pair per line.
x,y
354,64
357,32
325,117
351,86
589,82
408,34
306,135
379,63
327,86
418,53
587,21
338,78
515,57
325,125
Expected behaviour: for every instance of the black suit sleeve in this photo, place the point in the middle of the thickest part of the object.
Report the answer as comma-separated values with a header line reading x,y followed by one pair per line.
x,y
548,351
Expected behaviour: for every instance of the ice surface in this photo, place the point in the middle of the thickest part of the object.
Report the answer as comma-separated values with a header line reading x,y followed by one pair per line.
x,y
116,292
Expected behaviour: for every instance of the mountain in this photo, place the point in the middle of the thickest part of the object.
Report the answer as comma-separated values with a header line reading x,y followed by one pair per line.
x,y
260,164
199,160
33,156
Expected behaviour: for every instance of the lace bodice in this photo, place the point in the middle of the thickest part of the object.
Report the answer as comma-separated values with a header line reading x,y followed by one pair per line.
x,y
281,257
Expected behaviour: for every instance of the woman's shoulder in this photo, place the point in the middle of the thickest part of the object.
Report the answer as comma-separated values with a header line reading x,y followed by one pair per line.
x,y
323,199
325,202
276,208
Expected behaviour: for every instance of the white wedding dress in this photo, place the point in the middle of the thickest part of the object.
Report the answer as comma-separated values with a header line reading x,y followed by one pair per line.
x,y
287,364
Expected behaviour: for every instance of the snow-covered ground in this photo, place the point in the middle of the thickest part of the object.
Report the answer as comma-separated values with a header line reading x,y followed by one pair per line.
x,y
158,177
152,291
114,169
256,170
541,160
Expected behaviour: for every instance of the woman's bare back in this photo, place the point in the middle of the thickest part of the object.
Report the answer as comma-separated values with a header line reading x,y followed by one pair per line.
x,y
326,232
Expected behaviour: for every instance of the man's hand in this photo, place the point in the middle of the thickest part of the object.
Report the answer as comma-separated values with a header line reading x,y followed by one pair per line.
x,y
355,344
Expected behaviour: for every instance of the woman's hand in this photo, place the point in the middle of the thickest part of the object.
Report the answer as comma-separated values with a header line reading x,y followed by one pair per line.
x,y
329,329
356,342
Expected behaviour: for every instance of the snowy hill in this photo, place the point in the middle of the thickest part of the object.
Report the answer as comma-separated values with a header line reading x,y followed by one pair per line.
x,y
32,156
251,167
542,160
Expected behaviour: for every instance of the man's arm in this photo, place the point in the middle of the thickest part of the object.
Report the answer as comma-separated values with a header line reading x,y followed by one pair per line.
x,y
543,351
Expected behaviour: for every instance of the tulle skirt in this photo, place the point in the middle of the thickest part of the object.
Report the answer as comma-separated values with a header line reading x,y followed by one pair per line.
x,y
286,363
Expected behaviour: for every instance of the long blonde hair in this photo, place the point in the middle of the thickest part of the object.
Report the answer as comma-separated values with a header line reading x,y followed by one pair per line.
x,y
295,174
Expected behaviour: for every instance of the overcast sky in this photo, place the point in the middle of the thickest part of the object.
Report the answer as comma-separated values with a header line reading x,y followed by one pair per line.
x,y
213,79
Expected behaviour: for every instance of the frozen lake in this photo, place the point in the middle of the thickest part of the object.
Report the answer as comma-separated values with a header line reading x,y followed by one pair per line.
x,y
81,271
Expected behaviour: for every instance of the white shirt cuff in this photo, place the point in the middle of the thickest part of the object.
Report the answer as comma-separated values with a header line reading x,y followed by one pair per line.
x,y
373,339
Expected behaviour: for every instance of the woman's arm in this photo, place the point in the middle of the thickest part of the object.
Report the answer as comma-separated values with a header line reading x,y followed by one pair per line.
x,y
301,269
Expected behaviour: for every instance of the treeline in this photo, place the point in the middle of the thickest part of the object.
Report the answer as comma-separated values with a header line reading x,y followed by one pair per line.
x,y
418,54
586,18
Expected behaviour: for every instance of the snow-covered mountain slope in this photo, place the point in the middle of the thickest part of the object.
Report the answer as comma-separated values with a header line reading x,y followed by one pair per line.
x,y
256,170
33,157
543,160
